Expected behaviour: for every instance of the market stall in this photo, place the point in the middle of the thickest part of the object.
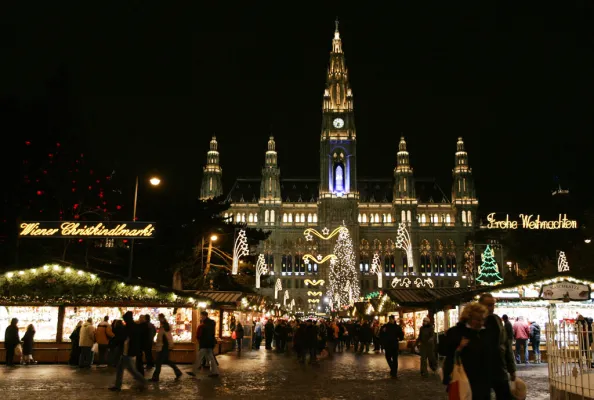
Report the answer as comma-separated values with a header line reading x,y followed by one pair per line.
x,y
55,298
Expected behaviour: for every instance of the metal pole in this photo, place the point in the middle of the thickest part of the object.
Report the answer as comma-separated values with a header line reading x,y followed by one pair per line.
x,y
132,243
208,254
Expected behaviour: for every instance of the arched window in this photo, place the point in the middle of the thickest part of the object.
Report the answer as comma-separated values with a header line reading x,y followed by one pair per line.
x,y
266,216
339,178
315,218
408,216
364,263
377,220
284,263
255,217
435,219
371,219
243,217
289,263
425,263
210,184
251,218
309,218
389,218
423,219
226,215
439,267
403,216
270,262
359,218
302,217
469,218
392,264
290,217
272,216
299,266
238,217
448,219
405,264
386,264
463,217
364,218
315,268
297,217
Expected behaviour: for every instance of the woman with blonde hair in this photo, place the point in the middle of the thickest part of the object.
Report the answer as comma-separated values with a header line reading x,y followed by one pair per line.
x,y
467,342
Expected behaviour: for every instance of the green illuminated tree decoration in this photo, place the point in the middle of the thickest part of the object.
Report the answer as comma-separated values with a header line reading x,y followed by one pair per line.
x,y
489,271
343,288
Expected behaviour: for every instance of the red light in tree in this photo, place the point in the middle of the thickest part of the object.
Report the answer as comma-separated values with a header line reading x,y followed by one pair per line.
x,y
73,190
81,155
90,187
80,240
27,142
58,144
50,155
125,240
73,181
39,193
75,206
44,172
118,207
76,216
40,211
105,202
91,172
105,210
101,195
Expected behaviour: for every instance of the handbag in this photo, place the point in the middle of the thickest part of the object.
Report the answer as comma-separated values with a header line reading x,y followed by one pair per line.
x,y
95,348
234,335
459,387
18,350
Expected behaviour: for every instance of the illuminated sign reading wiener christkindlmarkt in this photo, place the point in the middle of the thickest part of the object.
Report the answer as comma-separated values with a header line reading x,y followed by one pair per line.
x,y
70,229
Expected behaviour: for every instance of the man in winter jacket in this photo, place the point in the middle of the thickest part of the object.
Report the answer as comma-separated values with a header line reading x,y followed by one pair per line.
x,y
391,335
86,342
535,341
103,334
269,333
206,343
426,343
147,332
130,346
11,340
522,334
500,359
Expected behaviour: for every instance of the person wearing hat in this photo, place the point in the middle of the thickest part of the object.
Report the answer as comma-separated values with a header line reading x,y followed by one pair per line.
x,y
426,343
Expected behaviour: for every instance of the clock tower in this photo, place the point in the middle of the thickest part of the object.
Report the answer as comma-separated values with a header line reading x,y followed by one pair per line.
x,y
338,156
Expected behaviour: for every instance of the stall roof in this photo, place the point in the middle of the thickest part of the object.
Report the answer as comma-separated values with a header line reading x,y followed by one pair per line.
x,y
425,297
221,297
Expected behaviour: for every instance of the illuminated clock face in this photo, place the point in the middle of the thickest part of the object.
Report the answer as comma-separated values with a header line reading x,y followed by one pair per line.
x,y
338,123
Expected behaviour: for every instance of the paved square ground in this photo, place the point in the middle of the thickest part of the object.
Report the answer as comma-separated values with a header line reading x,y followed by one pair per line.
x,y
255,375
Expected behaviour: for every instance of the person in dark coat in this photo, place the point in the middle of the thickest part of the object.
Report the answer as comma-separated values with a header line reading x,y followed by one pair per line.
x,y
269,334
535,340
239,332
28,341
391,334
11,340
426,343
147,332
75,349
501,366
130,347
468,341
119,336
365,337
311,341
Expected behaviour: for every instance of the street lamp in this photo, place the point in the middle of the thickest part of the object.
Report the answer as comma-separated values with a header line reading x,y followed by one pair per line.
x,y
155,182
212,238
587,241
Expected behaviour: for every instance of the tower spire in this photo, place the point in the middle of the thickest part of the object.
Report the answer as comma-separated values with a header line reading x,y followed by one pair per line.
x,y
212,185
270,185
404,188
463,193
338,96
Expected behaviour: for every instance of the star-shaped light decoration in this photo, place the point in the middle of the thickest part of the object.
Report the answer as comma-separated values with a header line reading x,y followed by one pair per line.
x,y
319,257
309,237
325,231
306,261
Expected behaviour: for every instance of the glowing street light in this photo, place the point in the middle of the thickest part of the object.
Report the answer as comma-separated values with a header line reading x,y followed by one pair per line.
x,y
214,238
155,181
587,241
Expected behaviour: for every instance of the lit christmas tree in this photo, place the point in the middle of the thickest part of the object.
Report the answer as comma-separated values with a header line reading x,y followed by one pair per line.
x,y
489,271
343,287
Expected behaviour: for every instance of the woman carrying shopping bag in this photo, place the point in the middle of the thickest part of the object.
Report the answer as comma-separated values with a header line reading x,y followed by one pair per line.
x,y
465,357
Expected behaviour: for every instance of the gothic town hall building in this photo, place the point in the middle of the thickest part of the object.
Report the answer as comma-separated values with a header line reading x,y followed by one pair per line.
x,y
372,209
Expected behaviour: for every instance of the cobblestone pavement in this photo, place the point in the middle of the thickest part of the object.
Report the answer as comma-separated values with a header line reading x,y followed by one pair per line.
x,y
256,374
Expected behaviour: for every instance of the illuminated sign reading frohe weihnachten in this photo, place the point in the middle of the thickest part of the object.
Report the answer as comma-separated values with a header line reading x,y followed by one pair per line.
x,y
529,221
87,229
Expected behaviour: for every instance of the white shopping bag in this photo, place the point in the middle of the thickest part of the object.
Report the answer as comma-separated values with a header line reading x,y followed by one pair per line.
x,y
459,387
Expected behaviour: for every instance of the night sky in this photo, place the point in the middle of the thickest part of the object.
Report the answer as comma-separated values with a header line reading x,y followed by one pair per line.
x,y
144,85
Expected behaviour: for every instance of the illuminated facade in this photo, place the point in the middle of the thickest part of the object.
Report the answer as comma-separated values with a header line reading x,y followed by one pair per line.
x,y
371,208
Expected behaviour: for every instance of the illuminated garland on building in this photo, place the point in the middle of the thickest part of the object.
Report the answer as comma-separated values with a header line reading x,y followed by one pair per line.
x,y
401,282
419,283
376,269
488,270
562,264
314,282
457,284
319,259
240,249
344,278
261,269
277,288
54,284
403,242
325,235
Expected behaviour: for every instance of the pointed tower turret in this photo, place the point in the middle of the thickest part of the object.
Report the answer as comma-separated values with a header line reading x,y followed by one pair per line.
x,y
405,199
463,192
270,186
212,183
338,166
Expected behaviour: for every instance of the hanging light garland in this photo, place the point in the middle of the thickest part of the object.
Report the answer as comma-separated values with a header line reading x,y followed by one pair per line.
x,y
261,268
240,249
376,269
403,242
